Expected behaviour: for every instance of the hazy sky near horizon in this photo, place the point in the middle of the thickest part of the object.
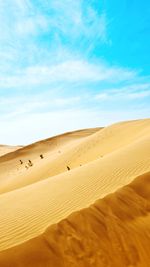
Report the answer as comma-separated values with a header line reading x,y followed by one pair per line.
x,y
70,64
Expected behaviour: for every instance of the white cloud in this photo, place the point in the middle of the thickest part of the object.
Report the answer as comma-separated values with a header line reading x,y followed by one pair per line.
x,y
101,96
139,95
11,107
79,70
68,101
32,25
69,71
22,6
66,17
134,91
132,87
20,21
30,66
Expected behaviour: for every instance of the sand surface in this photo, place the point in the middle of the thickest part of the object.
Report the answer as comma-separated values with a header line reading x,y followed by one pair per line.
x,y
7,149
114,231
105,222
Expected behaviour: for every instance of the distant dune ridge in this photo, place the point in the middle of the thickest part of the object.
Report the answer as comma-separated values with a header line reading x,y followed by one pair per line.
x,y
7,149
84,200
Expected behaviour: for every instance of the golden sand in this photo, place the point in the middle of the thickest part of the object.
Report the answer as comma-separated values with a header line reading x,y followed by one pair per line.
x,y
8,149
113,230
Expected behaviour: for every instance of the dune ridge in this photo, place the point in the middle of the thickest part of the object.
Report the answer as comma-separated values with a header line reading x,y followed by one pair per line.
x,y
97,145
49,144
114,231
50,148
4,149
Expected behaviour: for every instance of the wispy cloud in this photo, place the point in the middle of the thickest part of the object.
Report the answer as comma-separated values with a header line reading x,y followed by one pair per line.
x,y
31,26
134,91
139,95
11,107
56,63
51,27
101,96
69,71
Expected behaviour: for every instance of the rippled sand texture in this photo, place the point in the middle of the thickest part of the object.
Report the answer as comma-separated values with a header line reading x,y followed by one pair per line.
x,y
95,214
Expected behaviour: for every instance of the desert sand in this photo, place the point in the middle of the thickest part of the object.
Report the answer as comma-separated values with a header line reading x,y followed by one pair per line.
x,y
83,201
4,149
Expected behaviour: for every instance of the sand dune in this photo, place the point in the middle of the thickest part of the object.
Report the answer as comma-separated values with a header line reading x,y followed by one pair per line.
x,y
114,231
95,146
50,148
101,161
7,149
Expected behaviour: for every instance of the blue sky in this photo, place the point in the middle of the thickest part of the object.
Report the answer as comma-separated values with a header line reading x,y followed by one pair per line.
x,y
68,64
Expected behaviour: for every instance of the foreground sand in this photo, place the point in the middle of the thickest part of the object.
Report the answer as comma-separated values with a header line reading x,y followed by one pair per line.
x,y
115,231
100,161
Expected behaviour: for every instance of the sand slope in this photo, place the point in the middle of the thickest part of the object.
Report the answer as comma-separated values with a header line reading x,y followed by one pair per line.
x,y
50,148
101,161
28,211
115,231
95,146
7,149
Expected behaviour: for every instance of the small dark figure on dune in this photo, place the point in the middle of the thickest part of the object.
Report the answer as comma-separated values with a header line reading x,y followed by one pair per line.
x,y
68,168
41,156
21,162
30,163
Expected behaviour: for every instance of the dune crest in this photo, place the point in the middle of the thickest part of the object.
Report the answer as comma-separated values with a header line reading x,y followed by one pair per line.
x,y
50,148
8,149
59,154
